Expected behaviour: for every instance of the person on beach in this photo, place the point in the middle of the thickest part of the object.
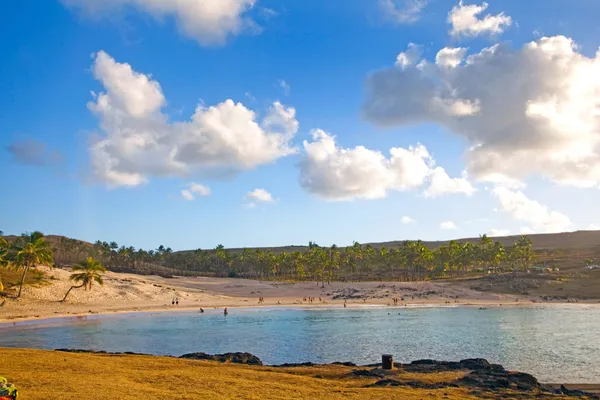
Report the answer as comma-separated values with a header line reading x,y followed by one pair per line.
x,y
225,312
173,302
176,301
344,303
201,310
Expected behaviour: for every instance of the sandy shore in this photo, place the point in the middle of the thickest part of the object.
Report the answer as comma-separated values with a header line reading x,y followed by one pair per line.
x,y
134,293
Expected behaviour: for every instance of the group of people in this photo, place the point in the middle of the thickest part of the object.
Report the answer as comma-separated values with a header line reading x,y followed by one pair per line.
x,y
261,300
175,301
312,299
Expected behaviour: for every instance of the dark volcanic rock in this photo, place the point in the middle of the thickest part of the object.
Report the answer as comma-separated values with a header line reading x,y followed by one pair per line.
x,y
492,380
101,352
291,365
366,373
236,358
415,385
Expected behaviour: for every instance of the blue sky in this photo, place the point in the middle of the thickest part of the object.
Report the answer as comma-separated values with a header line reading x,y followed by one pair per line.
x,y
536,174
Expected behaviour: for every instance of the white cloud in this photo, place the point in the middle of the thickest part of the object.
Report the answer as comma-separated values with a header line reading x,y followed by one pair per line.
x,y
259,196
498,232
466,22
207,21
448,225
593,227
450,57
284,86
525,230
409,57
442,184
526,112
407,220
195,189
341,174
139,142
524,209
402,11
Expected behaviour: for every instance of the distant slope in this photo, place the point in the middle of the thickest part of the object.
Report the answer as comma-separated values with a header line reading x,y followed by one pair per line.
x,y
565,241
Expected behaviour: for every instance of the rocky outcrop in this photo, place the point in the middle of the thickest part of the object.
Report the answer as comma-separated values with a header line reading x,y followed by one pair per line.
x,y
236,358
101,352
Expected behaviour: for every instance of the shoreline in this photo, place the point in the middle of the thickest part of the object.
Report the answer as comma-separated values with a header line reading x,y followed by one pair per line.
x,y
62,318
129,294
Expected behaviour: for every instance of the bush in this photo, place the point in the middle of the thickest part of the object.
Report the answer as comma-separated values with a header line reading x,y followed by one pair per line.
x,y
232,274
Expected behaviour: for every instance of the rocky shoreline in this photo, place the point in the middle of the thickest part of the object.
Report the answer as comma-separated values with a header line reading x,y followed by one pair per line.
x,y
482,378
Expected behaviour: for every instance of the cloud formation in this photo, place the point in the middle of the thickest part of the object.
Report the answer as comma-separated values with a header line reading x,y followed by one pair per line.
x,y
498,232
195,189
341,174
402,11
465,21
524,209
448,225
139,142
407,220
532,111
34,152
207,21
260,196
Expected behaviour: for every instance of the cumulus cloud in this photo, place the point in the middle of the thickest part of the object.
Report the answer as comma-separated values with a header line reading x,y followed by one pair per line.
x,y
402,11
33,152
442,184
260,196
498,232
466,21
340,174
139,141
450,57
195,189
532,111
409,57
207,21
407,220
525,230
524,209
448,225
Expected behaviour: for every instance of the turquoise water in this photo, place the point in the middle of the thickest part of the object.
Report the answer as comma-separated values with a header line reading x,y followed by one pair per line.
x,y
554,343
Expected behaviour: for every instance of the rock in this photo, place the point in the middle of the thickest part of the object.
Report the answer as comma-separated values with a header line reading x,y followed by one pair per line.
x,y
236,358
292,365
345,364
492,380
366,373
101,352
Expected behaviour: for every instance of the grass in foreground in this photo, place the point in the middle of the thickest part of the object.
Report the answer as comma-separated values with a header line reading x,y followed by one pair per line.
x,y
40,374
47,375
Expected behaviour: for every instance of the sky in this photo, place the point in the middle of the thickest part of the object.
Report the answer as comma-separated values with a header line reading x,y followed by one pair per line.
x,y
276,122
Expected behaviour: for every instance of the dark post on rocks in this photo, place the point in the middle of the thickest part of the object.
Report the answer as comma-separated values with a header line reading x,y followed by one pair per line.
x,y
387,361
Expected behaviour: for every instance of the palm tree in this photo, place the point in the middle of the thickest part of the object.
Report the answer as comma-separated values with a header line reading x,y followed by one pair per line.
x,y
32,250
89,271
3,253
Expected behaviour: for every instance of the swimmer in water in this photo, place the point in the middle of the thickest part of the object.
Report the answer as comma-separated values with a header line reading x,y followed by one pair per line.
x,y
225,312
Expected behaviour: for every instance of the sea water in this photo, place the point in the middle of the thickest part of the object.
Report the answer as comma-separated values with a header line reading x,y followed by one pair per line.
x,y
555,343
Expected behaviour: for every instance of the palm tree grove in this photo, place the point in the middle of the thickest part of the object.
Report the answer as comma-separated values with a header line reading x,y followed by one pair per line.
x,y
411,261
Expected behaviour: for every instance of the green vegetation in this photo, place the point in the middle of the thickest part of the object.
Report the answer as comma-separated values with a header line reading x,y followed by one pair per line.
x,y
410,261
25,252
86,273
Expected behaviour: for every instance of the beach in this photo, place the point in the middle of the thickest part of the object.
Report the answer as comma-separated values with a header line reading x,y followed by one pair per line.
x,y
124,293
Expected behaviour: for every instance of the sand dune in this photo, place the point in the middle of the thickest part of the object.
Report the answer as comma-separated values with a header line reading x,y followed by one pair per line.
x,y
128,292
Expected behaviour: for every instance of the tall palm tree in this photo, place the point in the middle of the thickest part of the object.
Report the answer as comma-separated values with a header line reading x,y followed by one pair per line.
x,y
3,253
87,272
32,250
